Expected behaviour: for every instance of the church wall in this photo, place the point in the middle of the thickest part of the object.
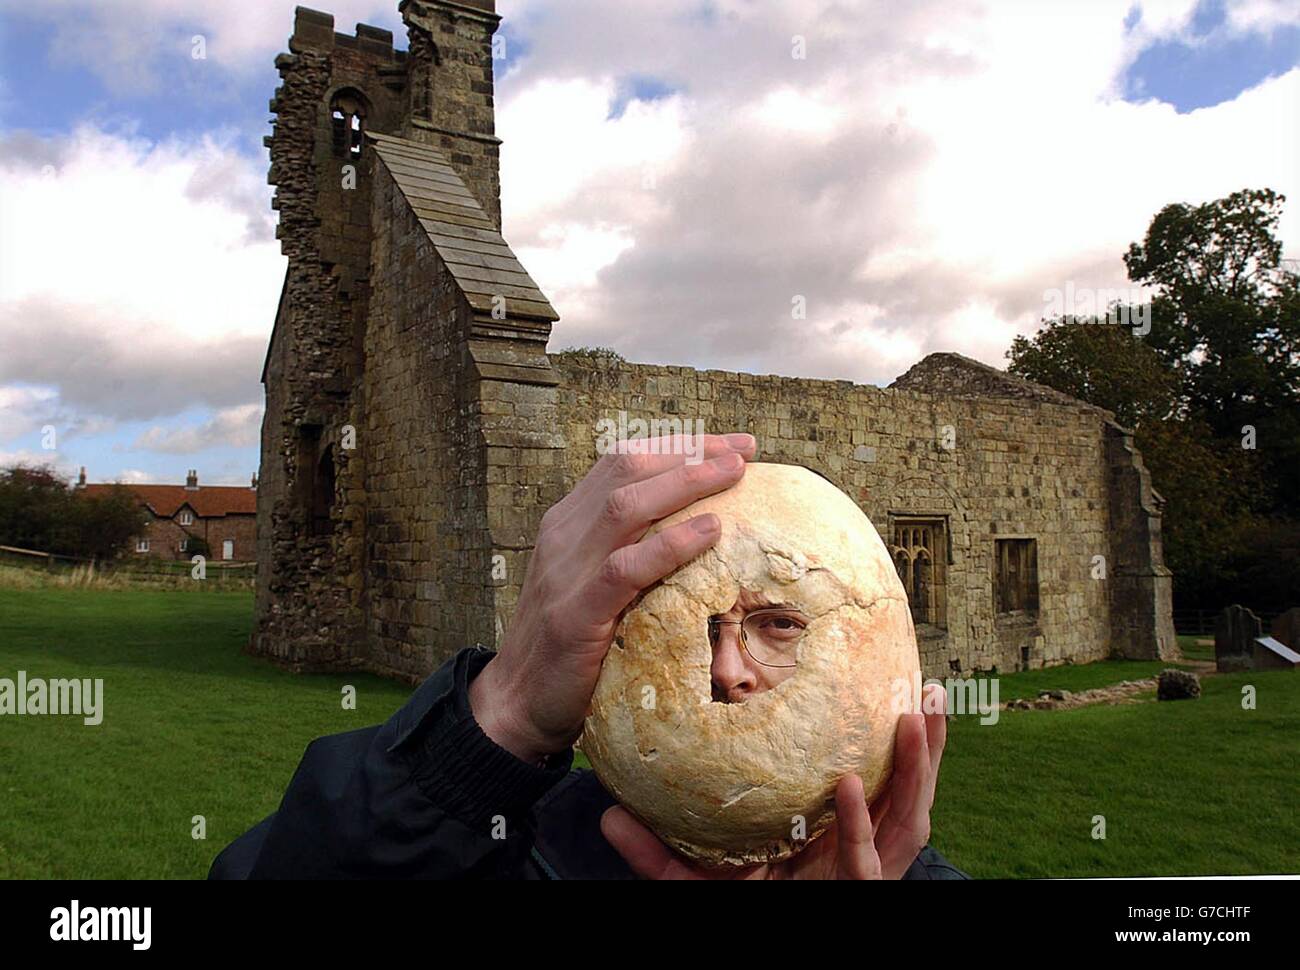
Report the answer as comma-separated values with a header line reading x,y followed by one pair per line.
x,y
1017,469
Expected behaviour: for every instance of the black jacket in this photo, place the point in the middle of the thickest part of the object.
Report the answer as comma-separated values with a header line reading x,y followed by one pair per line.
x,y
429,795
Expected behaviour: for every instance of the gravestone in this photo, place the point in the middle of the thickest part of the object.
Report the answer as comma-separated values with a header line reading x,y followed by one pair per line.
x,y
1286,628
1235,632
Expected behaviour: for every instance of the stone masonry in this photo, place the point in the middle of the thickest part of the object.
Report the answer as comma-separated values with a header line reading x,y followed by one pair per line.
x,y
416,428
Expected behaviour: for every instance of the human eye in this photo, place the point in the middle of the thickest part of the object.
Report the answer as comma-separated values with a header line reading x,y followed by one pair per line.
x,y
783,623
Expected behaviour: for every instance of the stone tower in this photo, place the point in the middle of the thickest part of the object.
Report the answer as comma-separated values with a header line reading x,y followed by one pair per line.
x,y
403,316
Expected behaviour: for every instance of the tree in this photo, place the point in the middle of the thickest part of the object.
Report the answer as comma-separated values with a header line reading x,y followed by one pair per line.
x,y
1226,321
1218,373
106,523
39,511
1103,364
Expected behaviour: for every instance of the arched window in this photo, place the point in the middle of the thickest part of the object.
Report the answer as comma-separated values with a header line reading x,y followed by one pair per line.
x,y
348,111
920,552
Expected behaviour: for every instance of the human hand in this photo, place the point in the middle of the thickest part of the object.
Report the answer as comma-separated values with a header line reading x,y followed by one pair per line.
x,y
876,843
588,565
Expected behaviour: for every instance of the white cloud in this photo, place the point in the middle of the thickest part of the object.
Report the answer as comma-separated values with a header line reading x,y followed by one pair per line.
x,y
154,233
922,178
1262,15
37,459
128,43
232,427
137,280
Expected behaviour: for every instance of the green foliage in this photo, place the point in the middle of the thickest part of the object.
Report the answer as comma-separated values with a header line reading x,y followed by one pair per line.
x,y
1102,364
1221,362
38,510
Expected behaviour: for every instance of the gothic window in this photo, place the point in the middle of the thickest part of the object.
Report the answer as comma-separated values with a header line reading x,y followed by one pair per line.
x,y
1016,588
920,551
348,111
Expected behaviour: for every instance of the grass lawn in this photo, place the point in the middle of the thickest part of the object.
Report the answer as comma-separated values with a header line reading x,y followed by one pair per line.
x,y
1186,788
1193,649
194,727
1077,677
191,727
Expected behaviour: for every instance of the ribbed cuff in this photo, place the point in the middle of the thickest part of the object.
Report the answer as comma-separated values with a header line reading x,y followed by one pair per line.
x,y
465,772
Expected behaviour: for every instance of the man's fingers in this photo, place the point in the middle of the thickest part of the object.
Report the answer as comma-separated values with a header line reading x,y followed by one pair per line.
x,y
637,459
640,848
880,810
936,736
628,570
631,509
907,829
858,858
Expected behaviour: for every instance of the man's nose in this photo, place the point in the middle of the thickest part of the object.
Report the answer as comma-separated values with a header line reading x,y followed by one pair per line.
x,y
732,676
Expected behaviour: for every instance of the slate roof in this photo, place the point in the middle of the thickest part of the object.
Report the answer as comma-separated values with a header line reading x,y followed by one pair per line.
x,y
475,252
207,501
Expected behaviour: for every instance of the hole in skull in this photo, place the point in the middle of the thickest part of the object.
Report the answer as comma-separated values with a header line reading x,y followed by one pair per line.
x,y
755,646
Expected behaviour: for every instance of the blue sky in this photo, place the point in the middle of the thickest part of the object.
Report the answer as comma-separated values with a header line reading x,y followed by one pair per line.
x,y
154,160
1208,66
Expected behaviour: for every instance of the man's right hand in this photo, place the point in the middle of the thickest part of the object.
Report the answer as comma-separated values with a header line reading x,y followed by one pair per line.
x,y
588,565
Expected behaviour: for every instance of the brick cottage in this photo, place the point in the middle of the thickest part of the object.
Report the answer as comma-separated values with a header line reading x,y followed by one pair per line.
x,y
176,517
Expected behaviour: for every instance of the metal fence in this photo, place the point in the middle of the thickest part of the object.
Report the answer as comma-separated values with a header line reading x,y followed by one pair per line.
x,y
142,568
1194,622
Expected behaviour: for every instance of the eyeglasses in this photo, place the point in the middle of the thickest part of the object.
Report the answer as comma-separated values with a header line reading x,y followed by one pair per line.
x,y
770,637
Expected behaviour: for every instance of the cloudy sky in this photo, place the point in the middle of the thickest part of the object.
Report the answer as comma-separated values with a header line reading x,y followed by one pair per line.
x,y
677,177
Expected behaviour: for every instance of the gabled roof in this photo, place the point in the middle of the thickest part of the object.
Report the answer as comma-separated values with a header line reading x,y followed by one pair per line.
x,y
462,233
958,376
207,501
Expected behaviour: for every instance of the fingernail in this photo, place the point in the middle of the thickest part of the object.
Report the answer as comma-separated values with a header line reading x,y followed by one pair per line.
x,y
739,442
705,524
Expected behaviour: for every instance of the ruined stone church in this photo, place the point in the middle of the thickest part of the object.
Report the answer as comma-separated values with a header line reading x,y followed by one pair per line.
x,y
416,427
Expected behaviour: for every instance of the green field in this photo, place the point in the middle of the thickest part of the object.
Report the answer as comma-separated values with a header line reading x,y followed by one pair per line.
x,y
194,727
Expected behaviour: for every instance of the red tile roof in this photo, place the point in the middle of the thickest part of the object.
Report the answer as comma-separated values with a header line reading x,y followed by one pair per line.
x,y
207,501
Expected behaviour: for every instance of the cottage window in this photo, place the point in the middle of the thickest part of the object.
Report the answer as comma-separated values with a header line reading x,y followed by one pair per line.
x,y
184,544
920,551
1016,588
141,545
187,517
